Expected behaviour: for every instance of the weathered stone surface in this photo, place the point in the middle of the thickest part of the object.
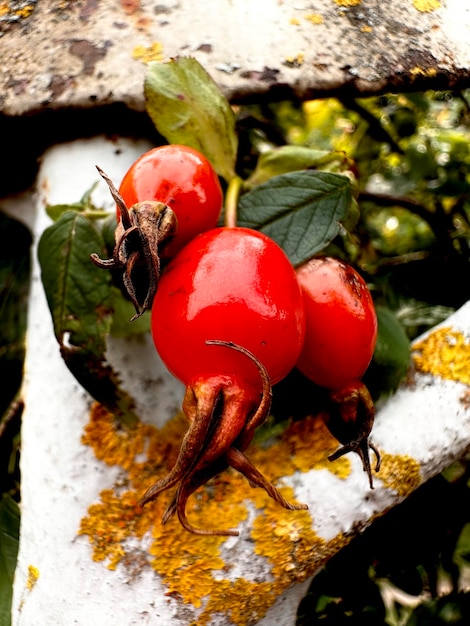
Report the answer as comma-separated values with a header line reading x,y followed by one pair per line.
x,y
84,53
166,575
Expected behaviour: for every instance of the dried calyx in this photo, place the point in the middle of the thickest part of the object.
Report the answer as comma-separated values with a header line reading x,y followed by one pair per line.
x,y
141,233
350,419
223,418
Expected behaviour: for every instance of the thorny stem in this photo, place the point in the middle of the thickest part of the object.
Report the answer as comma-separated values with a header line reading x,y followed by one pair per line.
x,y
231,201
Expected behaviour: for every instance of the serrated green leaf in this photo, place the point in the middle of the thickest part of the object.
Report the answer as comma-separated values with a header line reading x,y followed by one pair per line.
x,y
187,107
289,158
302,211
79,298
9,541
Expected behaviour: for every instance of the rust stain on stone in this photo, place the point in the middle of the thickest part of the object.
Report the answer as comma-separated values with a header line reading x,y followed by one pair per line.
x,y
130,6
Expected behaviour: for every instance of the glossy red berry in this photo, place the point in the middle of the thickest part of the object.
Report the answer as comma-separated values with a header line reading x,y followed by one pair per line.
x,y
184,180
341,331
231,284
228,321
341,323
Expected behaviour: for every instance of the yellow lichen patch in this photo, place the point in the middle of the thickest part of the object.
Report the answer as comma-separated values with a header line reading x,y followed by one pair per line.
x,y
309,443
401,473
154,52
293,550
191,566
289,542
417,72
33,576
187,562
445,353
111,444
426,6
110,522
348,3
295,61
6,9
314,18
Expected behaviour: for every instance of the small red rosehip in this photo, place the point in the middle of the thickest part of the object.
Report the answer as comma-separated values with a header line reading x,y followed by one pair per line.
x,y
341,331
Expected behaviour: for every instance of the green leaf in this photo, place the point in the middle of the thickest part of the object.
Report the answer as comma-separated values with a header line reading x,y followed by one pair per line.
x,y
187,107
85,206
392,351
77,292
55,211
9,541
302,211
290,158
123,311
79,298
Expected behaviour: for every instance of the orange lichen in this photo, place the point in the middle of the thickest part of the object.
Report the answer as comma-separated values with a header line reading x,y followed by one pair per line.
x,y
154,52
192,567
444,353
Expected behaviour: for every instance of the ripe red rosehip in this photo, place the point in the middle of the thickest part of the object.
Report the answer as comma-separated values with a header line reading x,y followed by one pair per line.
x,y
341,331
228,321
341,323
185,181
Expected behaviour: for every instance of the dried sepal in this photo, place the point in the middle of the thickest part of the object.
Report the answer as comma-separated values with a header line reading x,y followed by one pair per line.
x,y
140,234
222,424
350,418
